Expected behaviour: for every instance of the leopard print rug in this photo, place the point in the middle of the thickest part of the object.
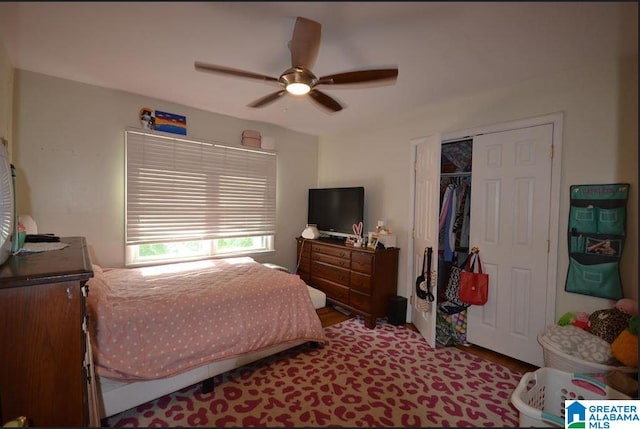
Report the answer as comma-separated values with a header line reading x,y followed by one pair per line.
x,y
387,376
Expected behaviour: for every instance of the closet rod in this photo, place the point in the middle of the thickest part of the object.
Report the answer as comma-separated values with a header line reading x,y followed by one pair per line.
x,y
461,174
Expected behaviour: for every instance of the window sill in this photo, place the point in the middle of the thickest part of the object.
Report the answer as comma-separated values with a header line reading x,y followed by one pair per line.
x,y
200,258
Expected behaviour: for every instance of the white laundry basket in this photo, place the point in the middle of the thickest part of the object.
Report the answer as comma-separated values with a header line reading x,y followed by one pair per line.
x,y
540,395
556,358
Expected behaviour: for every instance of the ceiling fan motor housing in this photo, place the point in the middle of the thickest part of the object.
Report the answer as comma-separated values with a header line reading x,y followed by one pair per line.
x,y
298,75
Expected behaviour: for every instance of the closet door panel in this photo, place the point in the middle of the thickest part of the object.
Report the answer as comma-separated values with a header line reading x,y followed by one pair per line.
x,y
523,211
425,228
490,212
490,309
519,315
510,206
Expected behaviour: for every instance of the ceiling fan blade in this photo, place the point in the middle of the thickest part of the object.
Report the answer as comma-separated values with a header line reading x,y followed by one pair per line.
x,y
360,76
267,99
324,100
233,72
305,43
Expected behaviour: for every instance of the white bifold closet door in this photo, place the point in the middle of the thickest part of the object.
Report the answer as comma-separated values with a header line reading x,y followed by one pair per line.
x,y
425,228
510,207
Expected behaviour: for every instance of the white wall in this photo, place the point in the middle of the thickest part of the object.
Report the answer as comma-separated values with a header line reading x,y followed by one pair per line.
x,y
69,153
600,145
6,96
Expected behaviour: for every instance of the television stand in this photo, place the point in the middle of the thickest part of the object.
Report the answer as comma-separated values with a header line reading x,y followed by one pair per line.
x,y
358,279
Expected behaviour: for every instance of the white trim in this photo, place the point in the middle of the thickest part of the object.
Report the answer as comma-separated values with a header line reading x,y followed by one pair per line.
x,y
412,207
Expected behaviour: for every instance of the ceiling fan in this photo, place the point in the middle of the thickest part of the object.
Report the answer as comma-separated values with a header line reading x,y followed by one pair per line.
x,y
299,79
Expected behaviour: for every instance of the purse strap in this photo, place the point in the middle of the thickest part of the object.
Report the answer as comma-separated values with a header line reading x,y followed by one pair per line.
x,y
479,263
470,267
430,296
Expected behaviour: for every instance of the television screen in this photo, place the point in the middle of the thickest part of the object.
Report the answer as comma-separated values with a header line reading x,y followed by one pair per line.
x,y
335,210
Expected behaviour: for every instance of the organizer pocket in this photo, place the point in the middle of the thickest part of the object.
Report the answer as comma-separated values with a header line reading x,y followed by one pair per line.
x,y
603,245
611,221
583,219
589,275
596,244
578,243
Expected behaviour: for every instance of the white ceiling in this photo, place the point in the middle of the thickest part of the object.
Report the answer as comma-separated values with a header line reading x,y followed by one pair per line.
x,y
442,49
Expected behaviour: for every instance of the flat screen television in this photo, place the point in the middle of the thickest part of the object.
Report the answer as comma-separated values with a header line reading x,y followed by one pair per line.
x,y
334,211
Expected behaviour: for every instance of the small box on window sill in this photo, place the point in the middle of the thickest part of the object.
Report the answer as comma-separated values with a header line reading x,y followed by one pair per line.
x,y
251,138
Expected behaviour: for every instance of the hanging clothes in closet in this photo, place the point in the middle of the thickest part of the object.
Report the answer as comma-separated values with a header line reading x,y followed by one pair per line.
x,y
453,237
454,216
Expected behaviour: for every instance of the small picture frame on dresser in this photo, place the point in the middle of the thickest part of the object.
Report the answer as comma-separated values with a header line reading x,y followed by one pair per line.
x,y
373,241
351,241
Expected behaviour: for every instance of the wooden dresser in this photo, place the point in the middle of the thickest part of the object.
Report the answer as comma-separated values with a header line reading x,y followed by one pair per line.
x,y
46,367
358,279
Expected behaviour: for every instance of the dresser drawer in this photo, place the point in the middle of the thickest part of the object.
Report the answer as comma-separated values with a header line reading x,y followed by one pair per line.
x,y
361,282
332,251
362,262
333,290
329,272
360,301
332,260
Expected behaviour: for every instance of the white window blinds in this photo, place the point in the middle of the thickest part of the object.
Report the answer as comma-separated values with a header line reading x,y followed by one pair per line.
x,y
181,190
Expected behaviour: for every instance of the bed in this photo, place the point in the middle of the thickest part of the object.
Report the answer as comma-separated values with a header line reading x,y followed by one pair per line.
x,y
158,329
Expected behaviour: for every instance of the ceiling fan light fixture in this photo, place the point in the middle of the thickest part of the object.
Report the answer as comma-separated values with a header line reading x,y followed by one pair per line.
x,y
298,81
297,88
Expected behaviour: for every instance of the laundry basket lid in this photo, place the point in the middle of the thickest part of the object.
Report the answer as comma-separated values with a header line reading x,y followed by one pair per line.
x,y
577,342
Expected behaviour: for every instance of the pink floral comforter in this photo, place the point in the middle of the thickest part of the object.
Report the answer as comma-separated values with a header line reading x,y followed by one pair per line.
x,y
156,322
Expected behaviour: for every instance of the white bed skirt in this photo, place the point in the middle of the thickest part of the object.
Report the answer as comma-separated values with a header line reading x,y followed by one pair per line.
x,y
117,396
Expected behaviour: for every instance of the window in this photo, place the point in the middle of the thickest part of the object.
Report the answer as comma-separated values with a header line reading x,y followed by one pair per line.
x,y
189,199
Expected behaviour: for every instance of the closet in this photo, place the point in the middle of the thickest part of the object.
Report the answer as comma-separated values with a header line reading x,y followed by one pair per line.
x,y
453,236
491,189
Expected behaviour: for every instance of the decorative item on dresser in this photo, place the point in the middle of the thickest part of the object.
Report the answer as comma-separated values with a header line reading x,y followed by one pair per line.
x,y
361,280
46,366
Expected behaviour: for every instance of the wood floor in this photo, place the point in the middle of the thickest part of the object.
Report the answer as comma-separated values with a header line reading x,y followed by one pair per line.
x,y
330,316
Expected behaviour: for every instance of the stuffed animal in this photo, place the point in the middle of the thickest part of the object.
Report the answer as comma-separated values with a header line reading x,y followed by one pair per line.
x,y
627,305
625,346
608,324
579,319
567,318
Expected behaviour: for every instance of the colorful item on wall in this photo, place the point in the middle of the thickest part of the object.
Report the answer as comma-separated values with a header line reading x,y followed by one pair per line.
x,y
147,118
163,121
171,123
